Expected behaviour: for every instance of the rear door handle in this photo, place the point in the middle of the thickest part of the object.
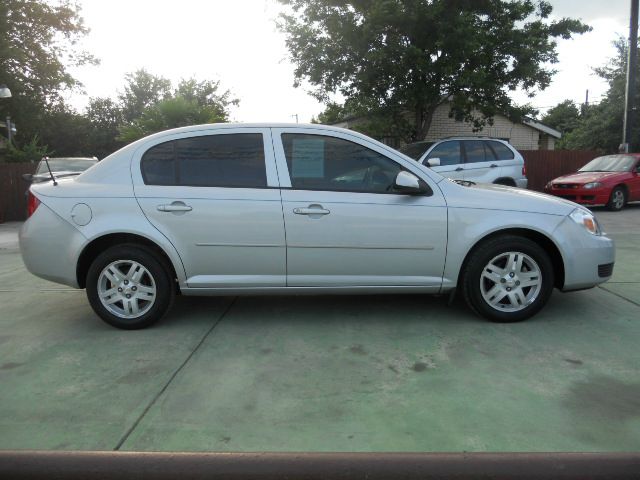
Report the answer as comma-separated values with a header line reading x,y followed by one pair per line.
x,y
493,165
175,207
459,169
312,210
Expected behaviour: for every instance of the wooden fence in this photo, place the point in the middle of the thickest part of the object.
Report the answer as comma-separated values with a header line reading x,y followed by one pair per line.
x,y
545,165
542,166
13,201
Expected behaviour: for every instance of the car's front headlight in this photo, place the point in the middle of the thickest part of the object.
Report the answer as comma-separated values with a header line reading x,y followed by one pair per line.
x,y
587,220
591,185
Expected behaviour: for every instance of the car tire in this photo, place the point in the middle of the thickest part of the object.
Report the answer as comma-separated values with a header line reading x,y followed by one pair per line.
x,y
129,287
617,200
493,277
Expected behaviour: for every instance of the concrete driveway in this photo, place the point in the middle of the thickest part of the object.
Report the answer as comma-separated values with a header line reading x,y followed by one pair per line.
x,y
379,373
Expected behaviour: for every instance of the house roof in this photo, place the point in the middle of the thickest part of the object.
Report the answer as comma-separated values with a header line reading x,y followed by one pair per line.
x,y
541,127
525,121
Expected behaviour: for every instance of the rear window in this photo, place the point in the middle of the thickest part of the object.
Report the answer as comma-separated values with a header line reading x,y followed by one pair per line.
x,y
222,160
66,165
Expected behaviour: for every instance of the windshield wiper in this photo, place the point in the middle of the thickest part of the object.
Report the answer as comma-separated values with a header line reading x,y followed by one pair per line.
x,y
464,183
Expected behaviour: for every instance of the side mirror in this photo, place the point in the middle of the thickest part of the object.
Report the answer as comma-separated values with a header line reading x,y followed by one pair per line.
x,y
410,184
433,162
27,177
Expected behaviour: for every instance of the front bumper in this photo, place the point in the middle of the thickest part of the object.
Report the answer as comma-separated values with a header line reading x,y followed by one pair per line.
x,y
583,196
588,259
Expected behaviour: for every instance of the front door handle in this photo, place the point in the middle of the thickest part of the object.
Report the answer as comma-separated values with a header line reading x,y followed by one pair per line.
x,y
493,165
459,169
312,210
175,207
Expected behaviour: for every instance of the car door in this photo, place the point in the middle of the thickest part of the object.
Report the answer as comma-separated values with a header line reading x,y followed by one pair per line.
x,y
345,225
215,195
481,165
451,159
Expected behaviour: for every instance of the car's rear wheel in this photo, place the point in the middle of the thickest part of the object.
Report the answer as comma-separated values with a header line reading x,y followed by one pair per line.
x,y
129,287
508,279
617,199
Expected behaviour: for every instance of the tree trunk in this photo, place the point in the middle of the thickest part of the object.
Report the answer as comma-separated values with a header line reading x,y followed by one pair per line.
x,y
423,118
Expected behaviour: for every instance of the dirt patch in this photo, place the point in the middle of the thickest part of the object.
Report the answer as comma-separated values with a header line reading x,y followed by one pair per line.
x,y
357,349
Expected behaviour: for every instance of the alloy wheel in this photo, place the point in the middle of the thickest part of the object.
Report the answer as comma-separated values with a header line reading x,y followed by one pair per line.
x,y
510,282
126,289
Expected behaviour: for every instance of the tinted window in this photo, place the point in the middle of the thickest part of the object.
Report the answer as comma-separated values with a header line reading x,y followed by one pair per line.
x,y
158,165
235,160
447,152
223,160
326,163
501,150
475,151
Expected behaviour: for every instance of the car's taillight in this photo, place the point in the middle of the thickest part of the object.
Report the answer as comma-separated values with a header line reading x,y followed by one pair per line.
x,y
524,170
32,204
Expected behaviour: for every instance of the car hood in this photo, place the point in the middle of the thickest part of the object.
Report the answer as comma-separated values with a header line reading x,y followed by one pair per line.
x,y
499,197
586,177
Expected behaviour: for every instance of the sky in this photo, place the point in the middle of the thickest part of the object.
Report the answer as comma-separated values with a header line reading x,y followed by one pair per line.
x,y
237,42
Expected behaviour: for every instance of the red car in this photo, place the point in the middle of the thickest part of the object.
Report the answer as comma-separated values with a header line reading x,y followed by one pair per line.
x,y
612,180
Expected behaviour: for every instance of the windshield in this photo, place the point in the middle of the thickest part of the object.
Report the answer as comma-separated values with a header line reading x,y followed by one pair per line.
x,y
66,165
416,150
610,163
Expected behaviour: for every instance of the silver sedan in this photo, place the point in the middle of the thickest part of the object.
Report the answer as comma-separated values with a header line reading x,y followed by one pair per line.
x,y
232,209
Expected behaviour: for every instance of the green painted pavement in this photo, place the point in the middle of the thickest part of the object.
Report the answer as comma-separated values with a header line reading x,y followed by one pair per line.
x,y
379,373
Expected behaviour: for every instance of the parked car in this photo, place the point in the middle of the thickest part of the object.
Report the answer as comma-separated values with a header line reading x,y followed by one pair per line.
x,y
474,159
60,167
612,180
232,209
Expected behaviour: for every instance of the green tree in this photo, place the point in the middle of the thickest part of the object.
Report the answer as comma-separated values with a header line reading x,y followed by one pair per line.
x,y
191,103
600,126
105,117
412,55
38,42
141,91
563,117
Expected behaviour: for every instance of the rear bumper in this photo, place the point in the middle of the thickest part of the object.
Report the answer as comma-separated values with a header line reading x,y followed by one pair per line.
x,y
50,246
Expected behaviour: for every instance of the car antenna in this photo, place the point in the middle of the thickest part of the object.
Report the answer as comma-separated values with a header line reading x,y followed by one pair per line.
x,y
46,161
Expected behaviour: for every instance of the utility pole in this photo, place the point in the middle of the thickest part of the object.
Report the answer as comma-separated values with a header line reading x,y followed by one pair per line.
x,y
295,115
632,61
8,130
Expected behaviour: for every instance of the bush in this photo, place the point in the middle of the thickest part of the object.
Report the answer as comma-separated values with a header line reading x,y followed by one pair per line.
x,y
31,151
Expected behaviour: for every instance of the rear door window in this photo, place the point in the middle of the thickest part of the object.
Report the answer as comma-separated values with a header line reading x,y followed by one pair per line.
x,y
476,151
222,160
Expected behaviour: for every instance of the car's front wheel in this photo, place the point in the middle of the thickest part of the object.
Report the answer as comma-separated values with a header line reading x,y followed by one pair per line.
x,y
129,287
508,279
617,199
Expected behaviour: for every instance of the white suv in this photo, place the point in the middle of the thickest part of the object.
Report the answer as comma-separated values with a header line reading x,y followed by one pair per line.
x,y
475,159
